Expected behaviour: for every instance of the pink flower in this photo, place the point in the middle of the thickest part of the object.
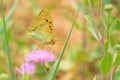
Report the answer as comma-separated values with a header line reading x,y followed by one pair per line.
x,y
26,68
40,56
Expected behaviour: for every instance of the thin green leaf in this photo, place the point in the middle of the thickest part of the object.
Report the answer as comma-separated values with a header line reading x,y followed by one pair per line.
x,y
92,27
106,63
104,23
106,46
118,24
117,47
117,60
113,26
112,23
7,45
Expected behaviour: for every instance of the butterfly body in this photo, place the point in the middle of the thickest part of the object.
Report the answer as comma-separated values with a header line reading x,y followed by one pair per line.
x,y
42,28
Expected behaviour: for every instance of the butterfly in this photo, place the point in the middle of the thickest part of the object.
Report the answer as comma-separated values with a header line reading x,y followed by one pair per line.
x,y
42,27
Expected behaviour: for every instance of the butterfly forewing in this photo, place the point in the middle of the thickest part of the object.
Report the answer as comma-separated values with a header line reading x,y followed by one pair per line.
x,y
42,27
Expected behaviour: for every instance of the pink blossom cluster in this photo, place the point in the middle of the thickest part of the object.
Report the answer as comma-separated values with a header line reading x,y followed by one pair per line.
x,y
36,56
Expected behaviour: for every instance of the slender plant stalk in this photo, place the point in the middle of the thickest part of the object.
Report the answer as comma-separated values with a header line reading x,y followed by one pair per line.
x,y
24,66
111,73
93,16
102,30
7,45
108,26
102,33
108,38
91,9
62,52
83,38
100,38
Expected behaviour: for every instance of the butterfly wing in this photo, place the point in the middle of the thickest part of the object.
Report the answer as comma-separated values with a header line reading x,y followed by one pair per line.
x,y
42,27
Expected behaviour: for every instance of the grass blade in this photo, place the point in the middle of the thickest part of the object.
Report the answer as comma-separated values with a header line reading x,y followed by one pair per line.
x,y
8,17
6,40
57,63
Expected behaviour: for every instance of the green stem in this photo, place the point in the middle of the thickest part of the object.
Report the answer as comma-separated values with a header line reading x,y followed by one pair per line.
x,y
108,24
7,45
93,16
108,39
62,52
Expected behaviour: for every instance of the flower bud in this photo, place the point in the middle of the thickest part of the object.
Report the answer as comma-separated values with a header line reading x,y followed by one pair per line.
x,y
108,7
